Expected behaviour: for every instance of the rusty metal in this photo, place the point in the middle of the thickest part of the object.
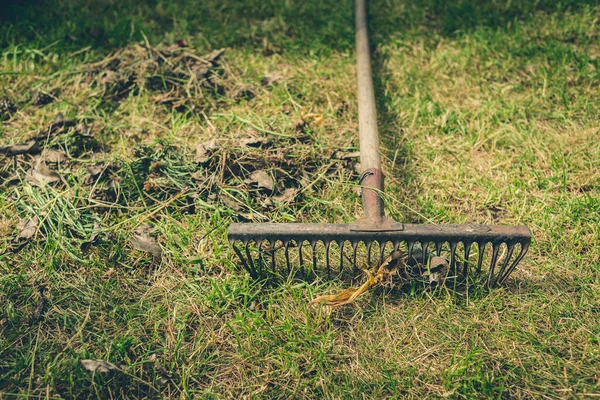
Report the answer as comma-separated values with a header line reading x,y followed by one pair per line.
x,y
421,242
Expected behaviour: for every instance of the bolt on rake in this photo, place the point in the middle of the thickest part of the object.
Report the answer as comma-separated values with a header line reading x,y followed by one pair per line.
x,y
259,245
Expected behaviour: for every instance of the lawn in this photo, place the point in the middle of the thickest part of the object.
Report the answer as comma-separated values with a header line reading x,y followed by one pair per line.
x,y
131,133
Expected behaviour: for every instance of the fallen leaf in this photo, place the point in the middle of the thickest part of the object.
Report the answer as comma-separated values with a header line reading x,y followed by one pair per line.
x,y
7,109
93,239
254,141
269,80
141,240
287,196
204,150
100,366
82,129
53,156
42,175
301,126
438,271
27,228
41,98
389,267
40,305
30,147
94,171
215,55
262,179
243,93
341,155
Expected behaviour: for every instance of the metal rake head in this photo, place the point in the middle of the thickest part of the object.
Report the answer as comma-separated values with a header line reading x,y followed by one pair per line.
x,y
286,249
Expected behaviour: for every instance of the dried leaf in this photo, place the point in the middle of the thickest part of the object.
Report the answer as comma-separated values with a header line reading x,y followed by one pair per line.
x,y
30,147
254,141
204,150
100,366
7,109
243,93
27,228
215,55
141,240
42,175
269,80
341,155
82,129
94,171
93,239
40,305
41,98
438,271
287,196
262,180
385,271
53,156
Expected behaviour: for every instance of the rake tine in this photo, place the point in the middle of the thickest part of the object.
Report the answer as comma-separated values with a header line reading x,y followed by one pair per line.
x,y
354,249
250,260
438,248
287,257
327,259
381,252
369,245
241,257
511,249
341,243
481,249
496,248
466,264
273,250
411,247
313,244
452,255
425,250
522,253
301,260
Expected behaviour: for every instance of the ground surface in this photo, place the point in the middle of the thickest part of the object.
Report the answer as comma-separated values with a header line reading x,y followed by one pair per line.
x,y
489,114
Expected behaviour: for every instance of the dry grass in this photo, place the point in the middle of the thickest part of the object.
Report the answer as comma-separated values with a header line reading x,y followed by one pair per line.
x,y
488,114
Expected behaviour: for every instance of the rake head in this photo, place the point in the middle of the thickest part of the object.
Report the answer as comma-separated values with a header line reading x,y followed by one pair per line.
x,y
285,249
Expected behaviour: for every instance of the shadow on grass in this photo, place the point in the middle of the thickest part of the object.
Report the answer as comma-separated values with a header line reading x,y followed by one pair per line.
x,y
268,25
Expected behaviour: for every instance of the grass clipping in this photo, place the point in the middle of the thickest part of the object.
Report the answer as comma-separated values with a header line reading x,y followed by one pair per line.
x,y
374,278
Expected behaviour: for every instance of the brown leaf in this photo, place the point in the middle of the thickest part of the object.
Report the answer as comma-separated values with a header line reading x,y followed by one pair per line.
x,y
262,180
27,228
287,196
41,98
42,175
93,239
269,80
385,271
7,109
100,366
342,155
53,156
40,305
204,150
214,56
438,271
30,147
254,141
94,171
141,240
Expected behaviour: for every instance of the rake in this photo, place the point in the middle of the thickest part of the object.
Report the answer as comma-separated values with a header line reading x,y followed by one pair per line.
x,y
259,245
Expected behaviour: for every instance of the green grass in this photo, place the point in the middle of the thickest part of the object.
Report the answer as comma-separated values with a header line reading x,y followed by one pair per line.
x,y
488,114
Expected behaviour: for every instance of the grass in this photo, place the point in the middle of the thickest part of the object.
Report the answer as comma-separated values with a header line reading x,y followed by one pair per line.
x,y
488,114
